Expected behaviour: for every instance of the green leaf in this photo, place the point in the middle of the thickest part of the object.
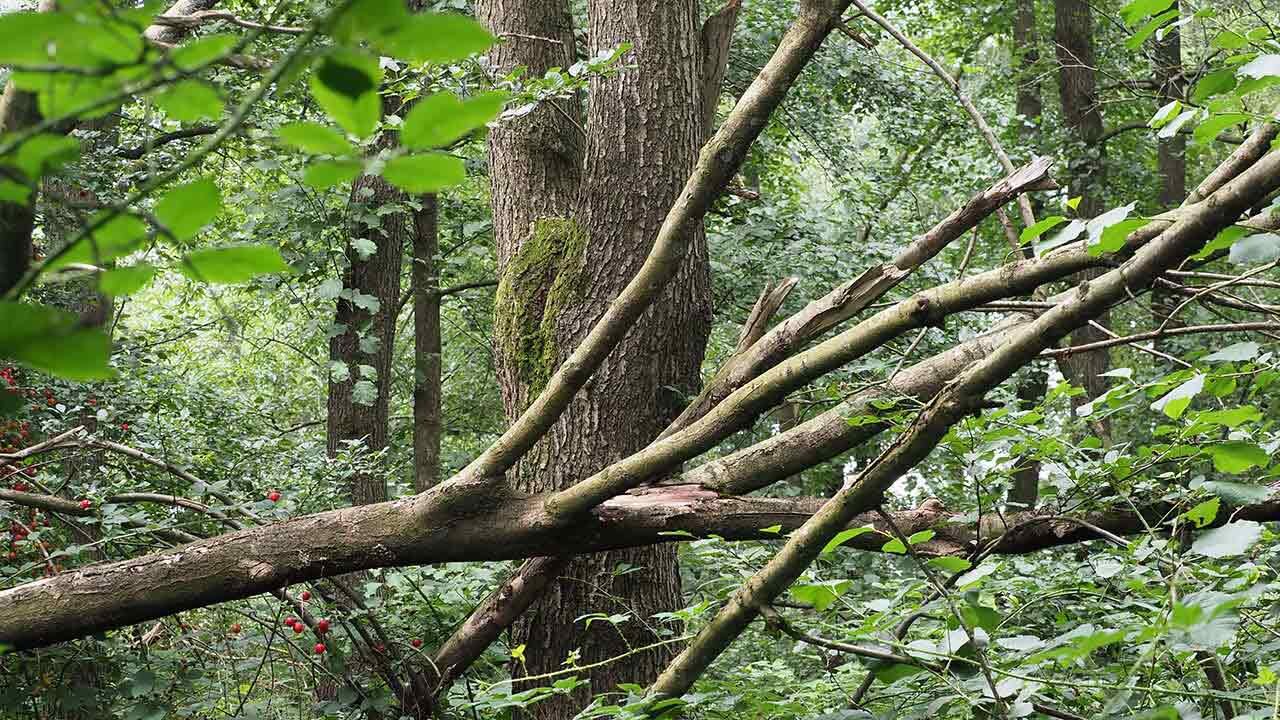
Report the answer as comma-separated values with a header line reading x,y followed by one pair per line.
x,y
1238,494
436,38
126,280
890,673
1135,11
424,173
820,595
1222,241
32,38
315,138
845,536
53,341
1146,31
115,238
1041,227
1176,401
1236,456
894,546
324,174
1166,113
44,153
1237,352
185,209
203,50
1079,647
1114,236
1209,129
950,564
1228,540
1098,225
189,101
1229,40
921,537
370,19
1204,513
233,264
438,120
12,192
1231,418
346,85
772,529
1215,83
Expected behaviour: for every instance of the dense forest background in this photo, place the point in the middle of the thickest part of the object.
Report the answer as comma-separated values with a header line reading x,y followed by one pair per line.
x,y
994,281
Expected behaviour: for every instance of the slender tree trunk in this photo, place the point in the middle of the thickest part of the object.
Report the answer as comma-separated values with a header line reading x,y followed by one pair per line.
x,y
567,244
1172,158
1078,92
364,333
427,426
1025,487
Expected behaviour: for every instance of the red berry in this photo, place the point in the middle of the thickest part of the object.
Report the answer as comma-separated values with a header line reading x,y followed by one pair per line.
x,y
379,648
298,628
235,629
416,642
322,627
13,554
91,401
320,648
85,504
124,426
306,595
289,621
273,496
20,487
51,402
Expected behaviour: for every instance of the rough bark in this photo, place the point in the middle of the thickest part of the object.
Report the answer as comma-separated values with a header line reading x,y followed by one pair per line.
x,y
364,337
1026,44
17,220
427,423
1024,489
557,280
1171,160
1078,93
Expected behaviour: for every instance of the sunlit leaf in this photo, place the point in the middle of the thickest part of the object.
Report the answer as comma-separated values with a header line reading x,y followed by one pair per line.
x,y
1175,402
233,264
185,209
424,173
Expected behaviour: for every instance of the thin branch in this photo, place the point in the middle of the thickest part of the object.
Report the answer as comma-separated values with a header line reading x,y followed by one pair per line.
x,y
195,20
1166,332
1024,205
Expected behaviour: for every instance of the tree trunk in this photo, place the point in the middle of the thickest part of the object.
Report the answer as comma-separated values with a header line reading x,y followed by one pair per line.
x,y
567,244
364,334
1172,159
1078,91
1024,489
427,426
